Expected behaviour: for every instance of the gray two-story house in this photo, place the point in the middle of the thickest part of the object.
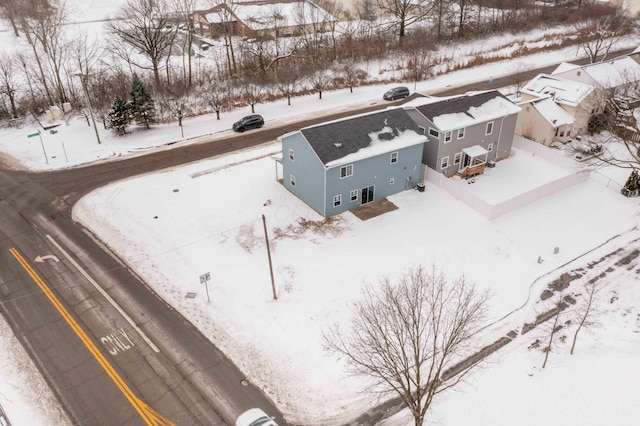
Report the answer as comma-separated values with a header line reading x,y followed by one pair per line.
x,y
336,166
465,132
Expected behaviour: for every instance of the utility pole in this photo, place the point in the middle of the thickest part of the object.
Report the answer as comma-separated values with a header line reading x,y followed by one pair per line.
x,y
83,80
266,238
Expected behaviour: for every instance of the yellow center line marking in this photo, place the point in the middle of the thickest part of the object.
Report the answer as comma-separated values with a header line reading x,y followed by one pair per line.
x,y
148,414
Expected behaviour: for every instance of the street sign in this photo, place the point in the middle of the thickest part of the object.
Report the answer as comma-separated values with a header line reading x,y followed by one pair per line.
x,y
33,135
205,277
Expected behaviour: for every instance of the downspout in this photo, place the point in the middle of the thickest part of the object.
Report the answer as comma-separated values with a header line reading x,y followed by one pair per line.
x,y
499,138
324,185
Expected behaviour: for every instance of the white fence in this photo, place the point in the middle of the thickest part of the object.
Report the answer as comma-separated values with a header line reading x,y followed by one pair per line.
x,y
491,211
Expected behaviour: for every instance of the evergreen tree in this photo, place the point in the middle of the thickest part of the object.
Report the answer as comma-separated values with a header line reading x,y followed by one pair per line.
x,y
632,187
119,115
142,104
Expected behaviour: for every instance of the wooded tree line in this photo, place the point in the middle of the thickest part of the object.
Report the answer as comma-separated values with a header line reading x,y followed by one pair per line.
x,y
155,40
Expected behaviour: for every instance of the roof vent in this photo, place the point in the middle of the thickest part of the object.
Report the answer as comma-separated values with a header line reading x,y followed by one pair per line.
x,y
337,144
385,122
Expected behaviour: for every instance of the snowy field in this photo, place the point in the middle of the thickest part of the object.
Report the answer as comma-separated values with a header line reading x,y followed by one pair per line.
x,y
165,231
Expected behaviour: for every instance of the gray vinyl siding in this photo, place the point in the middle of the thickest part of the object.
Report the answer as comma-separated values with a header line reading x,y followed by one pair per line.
x,y
436,149
377,171
307,169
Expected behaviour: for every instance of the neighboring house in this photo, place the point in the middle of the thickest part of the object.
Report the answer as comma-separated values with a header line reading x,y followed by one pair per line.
x,y
556,109
259,18
336,166
544,121
465,132
615,78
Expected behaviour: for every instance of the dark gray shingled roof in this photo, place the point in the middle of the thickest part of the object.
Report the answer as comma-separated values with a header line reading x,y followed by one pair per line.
x,y
457,104
352,134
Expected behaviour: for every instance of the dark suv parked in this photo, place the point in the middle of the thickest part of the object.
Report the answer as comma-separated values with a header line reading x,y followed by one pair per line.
x,y
396,93
254,121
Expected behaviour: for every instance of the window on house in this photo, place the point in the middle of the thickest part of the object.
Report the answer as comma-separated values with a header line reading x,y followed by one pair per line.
x,y
346,171
424,130
457,158
394,157
489,128
447,136
434,133
291,154
353,195
337,200
292,180
392,181
461,133
444,162
490,147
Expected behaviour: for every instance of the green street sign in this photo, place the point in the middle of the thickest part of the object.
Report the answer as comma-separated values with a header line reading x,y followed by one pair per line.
x,y
32,135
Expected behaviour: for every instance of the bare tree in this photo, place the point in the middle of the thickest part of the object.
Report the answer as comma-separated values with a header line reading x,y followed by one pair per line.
x,y
146,26
320,81
405,12
214,96
252,94
8,84
403,337
598,35
185,9
287,82
586,310
49,40
225,10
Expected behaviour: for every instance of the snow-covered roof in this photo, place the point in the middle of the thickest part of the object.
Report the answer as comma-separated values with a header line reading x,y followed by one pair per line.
x,y
259,15
474,151
608,74
552,112
564,66
562,90
362,136
466,110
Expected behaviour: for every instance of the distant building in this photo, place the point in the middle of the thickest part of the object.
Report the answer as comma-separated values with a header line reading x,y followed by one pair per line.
x,y
251,19
556,109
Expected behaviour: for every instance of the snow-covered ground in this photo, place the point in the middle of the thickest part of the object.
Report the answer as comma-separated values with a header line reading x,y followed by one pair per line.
x,y
206,217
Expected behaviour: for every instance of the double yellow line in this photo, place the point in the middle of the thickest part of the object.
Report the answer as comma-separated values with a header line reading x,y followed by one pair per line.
x,y
148,414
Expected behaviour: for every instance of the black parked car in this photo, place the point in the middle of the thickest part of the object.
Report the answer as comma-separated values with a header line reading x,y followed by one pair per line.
x,y
396,93
254,121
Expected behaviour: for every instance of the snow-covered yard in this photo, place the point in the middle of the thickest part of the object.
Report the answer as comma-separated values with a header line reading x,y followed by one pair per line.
x,y
207,217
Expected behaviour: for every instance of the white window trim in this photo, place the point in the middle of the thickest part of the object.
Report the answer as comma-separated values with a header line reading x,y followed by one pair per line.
x,y
392,181
457,158
463,130
351,197
448,136
292,180
490,147
394,157
346,169
291,154
337,200
435,134
487,131
444,160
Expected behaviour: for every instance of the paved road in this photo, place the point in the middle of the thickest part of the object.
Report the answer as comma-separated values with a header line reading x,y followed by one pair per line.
x,y
136,360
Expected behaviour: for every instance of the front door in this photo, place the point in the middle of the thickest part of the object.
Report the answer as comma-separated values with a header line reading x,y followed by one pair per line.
x,y
367,195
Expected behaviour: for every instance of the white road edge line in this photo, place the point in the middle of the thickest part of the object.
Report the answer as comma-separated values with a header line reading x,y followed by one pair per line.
x,y
105,294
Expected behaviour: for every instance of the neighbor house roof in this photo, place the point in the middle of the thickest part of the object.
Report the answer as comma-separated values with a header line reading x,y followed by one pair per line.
x,y
461,111
607,74
561,90
362,136
259,14
551,112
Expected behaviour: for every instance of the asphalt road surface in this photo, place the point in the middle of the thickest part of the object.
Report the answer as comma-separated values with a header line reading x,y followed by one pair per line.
x,y
113,351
